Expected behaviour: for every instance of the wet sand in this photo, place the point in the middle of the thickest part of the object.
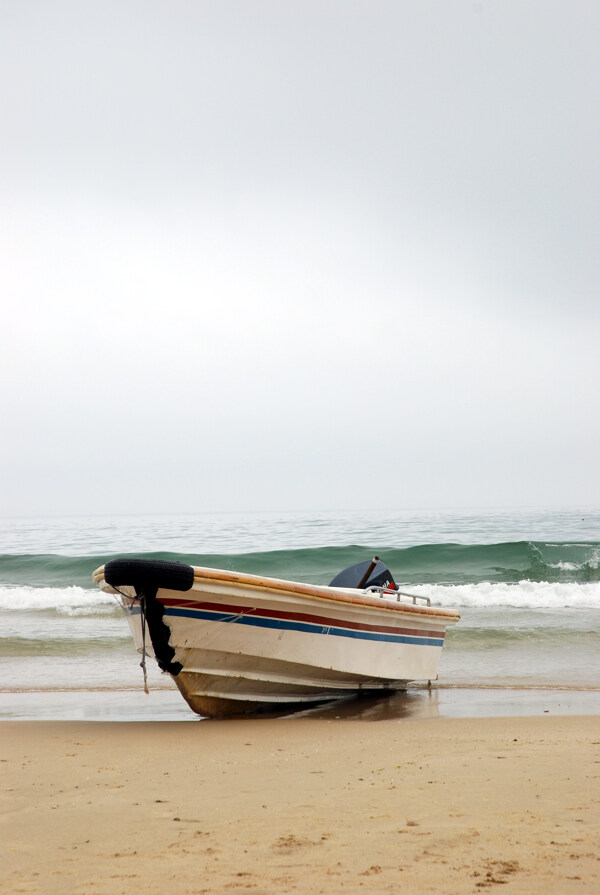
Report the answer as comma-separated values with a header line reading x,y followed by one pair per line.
x,y
303,805
166,704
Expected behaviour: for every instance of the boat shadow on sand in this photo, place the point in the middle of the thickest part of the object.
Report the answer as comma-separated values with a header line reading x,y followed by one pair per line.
x,y
397,706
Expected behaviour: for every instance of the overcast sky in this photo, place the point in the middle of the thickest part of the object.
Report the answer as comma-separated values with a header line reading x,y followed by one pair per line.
x,y
299,255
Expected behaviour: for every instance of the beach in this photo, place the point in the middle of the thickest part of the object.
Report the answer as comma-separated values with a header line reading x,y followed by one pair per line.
x,y
490,778
300,352
303,804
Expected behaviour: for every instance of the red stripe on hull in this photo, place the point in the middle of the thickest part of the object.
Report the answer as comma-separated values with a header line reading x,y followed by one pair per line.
x,y
300,617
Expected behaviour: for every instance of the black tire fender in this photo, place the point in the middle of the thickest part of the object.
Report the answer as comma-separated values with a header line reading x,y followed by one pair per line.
x,y
149,574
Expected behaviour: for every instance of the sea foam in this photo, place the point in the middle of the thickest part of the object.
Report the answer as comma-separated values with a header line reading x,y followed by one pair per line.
x,y
72,600
523,595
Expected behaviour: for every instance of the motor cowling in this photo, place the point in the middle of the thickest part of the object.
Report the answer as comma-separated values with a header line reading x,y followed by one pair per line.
x,y
353,576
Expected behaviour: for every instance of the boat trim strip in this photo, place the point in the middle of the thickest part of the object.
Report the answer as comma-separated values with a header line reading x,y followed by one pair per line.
x,y
266,620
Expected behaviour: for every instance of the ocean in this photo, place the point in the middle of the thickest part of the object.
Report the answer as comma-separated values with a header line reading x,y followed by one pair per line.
x,y
526,582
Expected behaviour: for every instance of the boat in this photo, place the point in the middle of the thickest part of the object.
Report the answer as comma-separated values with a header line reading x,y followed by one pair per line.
x,y
235,642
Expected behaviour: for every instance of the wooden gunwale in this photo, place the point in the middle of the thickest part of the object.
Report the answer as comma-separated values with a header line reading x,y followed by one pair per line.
x,y
314,591
256,582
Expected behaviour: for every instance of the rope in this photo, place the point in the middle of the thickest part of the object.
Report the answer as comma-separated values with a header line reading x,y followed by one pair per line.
x,y
143,662
142,600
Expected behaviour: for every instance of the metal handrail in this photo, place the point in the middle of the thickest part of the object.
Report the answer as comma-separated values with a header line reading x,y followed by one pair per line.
x,y
389,592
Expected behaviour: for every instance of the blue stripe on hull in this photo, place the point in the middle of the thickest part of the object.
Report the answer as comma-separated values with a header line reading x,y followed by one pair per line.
x,y
281,624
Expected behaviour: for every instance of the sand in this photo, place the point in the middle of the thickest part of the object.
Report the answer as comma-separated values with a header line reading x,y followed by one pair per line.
x,y
301,805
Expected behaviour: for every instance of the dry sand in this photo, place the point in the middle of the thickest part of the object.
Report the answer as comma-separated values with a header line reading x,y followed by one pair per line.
x,y
301,805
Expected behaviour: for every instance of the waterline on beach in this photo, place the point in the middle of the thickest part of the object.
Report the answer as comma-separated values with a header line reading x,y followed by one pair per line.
x,y
415,704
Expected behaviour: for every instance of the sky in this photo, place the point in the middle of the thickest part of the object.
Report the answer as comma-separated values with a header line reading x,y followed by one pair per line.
x,y
299,256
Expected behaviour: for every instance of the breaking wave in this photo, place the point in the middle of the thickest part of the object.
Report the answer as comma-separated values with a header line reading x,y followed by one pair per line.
x,y
509,562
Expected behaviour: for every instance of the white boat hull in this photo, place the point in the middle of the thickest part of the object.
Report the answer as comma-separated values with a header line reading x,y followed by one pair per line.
x,y
245,642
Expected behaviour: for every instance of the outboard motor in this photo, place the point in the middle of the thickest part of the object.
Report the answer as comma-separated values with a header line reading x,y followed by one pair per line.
x,y
371,573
